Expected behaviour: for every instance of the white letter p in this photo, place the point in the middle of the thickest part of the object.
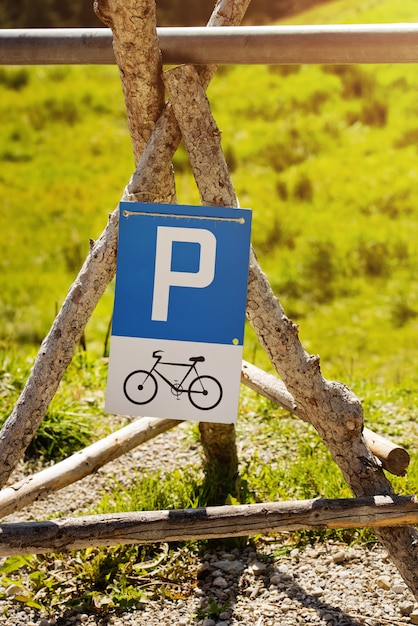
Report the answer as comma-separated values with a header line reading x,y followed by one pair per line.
x,y
165,278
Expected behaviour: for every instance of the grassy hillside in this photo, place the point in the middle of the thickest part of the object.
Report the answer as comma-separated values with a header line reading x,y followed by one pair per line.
x,y
325,156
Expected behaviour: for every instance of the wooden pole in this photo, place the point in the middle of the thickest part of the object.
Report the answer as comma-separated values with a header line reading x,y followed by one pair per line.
x,y
81,464
206,523
136,47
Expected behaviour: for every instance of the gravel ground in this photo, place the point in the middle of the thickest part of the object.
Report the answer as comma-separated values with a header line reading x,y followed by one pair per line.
x,y
326,584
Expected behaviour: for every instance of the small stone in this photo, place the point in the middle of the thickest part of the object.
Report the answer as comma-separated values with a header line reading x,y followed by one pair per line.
x,y
406,607
384,582
317,592
198,591
204,570
13,590
339,557
44,622
221,623
208,622
258,568
230,567
413,617
220,582
399,589
275,579
224,616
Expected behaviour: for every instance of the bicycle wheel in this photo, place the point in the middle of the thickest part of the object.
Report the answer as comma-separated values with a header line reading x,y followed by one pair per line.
x,y
140,387
205,392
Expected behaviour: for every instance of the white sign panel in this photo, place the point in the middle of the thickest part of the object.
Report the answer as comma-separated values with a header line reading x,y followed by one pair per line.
x,y
178,322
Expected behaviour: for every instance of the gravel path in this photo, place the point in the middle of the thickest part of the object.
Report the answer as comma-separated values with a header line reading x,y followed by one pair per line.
x,y
325,584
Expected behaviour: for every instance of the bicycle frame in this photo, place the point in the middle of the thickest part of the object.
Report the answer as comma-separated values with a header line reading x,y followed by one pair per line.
x,y
174,386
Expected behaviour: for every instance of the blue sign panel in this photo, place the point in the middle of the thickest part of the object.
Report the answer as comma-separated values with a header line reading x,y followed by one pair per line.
x,y
182,272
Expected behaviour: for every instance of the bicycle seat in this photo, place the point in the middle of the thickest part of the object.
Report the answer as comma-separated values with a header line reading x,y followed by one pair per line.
x,y
197,359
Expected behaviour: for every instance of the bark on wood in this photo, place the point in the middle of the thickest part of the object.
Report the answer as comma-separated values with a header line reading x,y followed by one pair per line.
x,y
89,460
201,136
208,523
135,43
394,458
333,410
167,136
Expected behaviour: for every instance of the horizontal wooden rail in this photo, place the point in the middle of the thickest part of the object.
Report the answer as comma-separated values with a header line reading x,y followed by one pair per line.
x,y
393,457
340,44
206,523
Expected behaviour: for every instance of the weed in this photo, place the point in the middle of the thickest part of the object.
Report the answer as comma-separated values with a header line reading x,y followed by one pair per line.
x,y
102,580
402,311
15,79
64,431
374,113
303,189
213,610
374,258
356,82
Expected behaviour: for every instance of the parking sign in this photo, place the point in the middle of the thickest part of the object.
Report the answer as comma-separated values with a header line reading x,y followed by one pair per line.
x,y
179,312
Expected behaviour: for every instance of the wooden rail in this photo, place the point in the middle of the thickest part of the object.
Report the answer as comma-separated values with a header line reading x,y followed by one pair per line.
x,y
205,523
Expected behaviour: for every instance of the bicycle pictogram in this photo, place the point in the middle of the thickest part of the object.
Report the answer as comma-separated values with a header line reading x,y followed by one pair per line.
x,y
203,391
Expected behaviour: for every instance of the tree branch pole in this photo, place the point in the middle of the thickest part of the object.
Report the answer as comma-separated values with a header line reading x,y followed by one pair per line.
x,y
333,410
135,44
209,523
98,270
81,464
